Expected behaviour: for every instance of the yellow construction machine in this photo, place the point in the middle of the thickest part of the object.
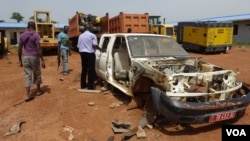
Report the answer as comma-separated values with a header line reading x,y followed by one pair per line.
x,y
45,28
156,27
4,46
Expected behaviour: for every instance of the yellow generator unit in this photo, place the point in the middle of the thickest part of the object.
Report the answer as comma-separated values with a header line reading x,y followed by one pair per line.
x,y
205,36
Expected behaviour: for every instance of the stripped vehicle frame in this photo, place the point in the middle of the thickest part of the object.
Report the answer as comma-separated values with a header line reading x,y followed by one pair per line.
x,y
182,88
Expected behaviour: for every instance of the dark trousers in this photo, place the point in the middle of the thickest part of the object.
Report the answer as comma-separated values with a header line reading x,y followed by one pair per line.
x,y
88,69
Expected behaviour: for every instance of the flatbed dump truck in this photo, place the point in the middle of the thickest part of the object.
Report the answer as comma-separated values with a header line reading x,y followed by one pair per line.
x,y
205,36
45,28
137,23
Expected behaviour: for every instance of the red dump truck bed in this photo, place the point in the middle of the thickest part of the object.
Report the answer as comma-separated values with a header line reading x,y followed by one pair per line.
x,y
118,24
138,23
74,26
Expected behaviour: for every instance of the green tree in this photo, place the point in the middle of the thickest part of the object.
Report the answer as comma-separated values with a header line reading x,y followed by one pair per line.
x,y
2,21
32,18
54,22
17,16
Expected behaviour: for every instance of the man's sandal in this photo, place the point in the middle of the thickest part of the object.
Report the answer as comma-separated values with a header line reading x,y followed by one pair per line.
x,y
38,93
29,98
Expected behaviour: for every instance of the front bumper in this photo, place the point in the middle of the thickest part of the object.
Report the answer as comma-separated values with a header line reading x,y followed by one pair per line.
x,y
192,112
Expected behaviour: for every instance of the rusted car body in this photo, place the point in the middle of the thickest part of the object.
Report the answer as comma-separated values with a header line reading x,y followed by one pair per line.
x,y
182,88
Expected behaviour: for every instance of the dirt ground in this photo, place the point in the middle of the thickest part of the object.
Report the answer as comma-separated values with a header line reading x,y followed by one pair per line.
x,y
62,113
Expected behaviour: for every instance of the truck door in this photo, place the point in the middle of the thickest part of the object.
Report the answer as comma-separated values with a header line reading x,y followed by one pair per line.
x,y
102,58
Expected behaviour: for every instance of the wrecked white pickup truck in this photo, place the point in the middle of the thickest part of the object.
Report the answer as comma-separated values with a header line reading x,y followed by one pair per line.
x,y
181,88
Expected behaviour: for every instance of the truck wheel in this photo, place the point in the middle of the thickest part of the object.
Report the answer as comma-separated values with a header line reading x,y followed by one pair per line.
x,y
202,50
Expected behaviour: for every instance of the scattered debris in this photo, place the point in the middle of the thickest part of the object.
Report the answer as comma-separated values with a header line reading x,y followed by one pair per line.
x,y
103,89
130,133
120,127
107,92
88,91
119,130
140,132
70,130
157,135
111,138
15,128
183,126
116,104
119,124
145,121
149,126
91,103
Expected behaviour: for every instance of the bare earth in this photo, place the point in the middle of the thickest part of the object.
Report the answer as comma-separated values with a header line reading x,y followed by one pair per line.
x,y
62,113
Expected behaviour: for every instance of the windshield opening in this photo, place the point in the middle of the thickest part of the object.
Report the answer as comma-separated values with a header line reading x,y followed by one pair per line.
x,y
154,46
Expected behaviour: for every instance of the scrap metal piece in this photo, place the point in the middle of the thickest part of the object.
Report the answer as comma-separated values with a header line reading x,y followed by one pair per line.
x,y
119,124
15,128
140,132
115,105
130,133
89,91
70,130
111,138
91,103
119,130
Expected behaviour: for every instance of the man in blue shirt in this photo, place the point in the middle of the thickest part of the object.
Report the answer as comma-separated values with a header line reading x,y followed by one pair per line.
x,y
64,49
87,43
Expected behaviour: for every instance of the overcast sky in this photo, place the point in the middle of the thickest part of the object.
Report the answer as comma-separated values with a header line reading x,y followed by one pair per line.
x,y
171,10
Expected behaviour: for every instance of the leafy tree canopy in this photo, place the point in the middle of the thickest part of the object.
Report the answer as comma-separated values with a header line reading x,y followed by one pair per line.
x,y
54,22
32,18
17,16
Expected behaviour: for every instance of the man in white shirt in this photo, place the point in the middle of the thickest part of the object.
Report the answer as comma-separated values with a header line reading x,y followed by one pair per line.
x,y
87,43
